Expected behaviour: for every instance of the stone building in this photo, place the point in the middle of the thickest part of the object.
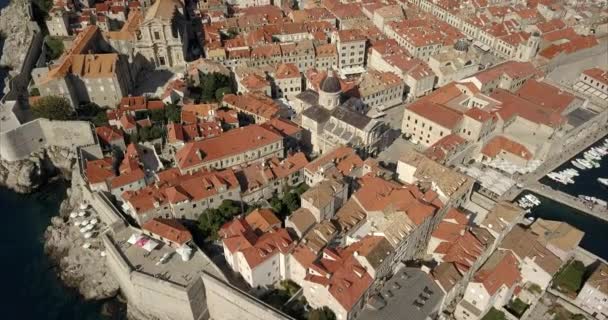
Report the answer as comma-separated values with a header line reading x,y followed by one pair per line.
x,y
163,35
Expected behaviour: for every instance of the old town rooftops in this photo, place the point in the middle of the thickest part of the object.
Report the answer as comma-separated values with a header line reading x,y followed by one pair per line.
x,y
173,188
501,269
227,144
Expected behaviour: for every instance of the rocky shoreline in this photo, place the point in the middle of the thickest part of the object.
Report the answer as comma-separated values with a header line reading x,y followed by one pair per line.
x,y
79,268
28,175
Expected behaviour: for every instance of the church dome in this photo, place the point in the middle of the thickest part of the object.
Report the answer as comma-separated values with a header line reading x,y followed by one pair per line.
x,y
330,84
461,45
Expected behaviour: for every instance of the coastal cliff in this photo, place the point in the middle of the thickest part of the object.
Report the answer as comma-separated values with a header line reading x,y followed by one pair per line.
x,y
27,175
17,31
79,268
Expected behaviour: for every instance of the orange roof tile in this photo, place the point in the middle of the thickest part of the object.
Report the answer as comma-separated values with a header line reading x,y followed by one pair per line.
x,y
227,144
501,144
169,229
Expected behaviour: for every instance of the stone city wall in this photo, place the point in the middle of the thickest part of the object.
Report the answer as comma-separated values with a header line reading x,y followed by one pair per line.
x,y
151,297
21,142
226,302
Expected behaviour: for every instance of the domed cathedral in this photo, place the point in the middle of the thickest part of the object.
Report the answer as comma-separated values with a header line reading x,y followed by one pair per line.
x,y
162,37
330,92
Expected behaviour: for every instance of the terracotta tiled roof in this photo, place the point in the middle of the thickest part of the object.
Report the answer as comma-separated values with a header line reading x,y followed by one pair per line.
x,y
265,172
344,158
500,144
99,170
437,113
238,235
501,269
108,134
171,184
597,74
545,95
513,105
227,144
524,244
377,194
343,276
169,229
127,178
440,150
257,104
262,220
287,70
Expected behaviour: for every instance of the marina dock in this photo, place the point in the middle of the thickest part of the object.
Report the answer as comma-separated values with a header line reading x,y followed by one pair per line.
x,y
531,181
595,210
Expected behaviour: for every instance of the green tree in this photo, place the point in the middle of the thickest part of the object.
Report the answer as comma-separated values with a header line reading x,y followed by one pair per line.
x,y
278,206
55,46
158,115
321,314
210,84
210,220
89,109
221,92
53,108
291,201
100,119
34,92
173,113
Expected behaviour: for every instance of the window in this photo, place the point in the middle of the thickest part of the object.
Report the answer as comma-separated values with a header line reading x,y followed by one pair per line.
x,y
156,35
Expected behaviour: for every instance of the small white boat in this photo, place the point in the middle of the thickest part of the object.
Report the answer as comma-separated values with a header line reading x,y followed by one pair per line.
x,y
84,222
73,214
88,235
578,165
585,163
532,199
591,156
83,230
102,253
603,181
82,213
86,245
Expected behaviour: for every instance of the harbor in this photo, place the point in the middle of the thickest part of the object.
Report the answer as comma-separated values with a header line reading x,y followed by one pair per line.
x,y
557,177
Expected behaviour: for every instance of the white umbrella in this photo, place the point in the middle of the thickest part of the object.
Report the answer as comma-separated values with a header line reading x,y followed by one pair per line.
x,y
134,238
82,213
77,223
88,235
83,229
150,245
90,227
83,206
102,253
73,214
93,222
84,222
86,245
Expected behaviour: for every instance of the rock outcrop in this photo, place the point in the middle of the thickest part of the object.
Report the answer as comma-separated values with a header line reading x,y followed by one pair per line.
x,y
17,31
78,267
28,175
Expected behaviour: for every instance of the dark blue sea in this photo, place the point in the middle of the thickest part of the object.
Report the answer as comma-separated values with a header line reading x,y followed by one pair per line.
x,y
31,289
596,230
